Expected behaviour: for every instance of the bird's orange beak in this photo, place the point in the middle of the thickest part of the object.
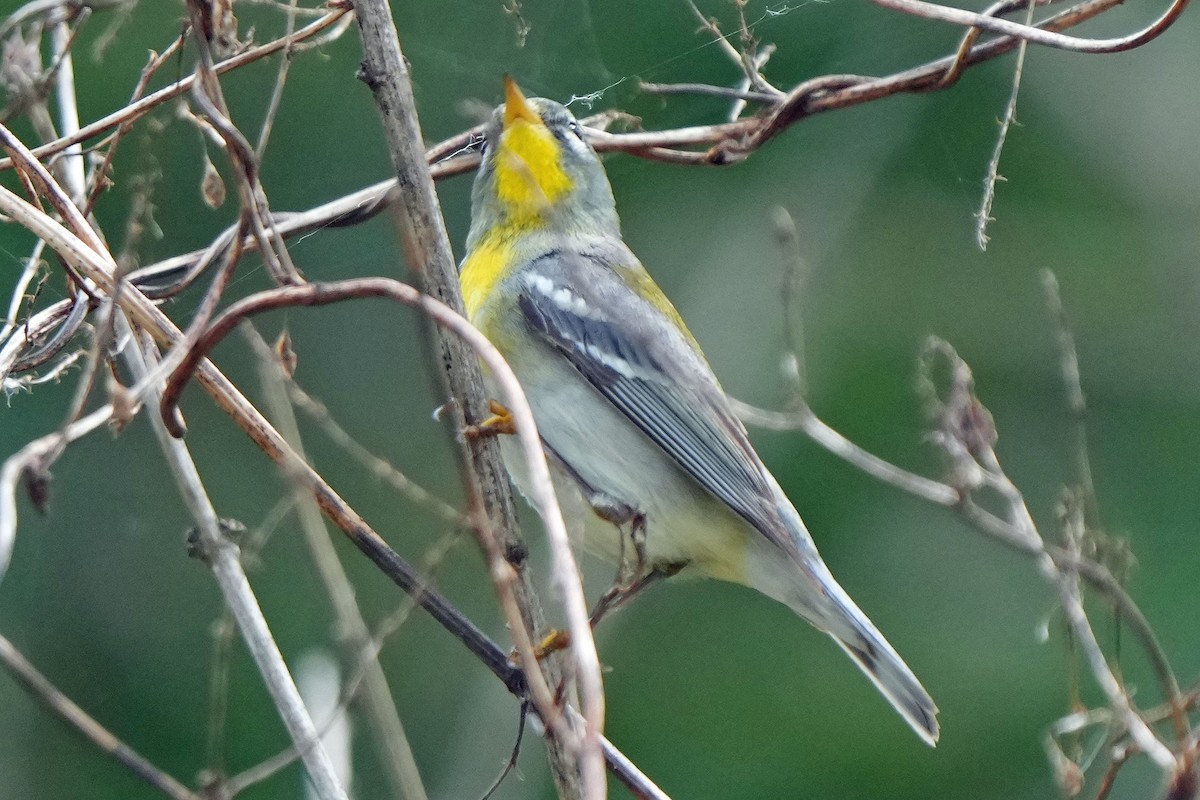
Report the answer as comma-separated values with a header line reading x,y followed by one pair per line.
x,y
516,107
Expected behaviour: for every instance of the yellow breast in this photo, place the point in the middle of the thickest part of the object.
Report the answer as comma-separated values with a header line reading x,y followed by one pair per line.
x,y
484,267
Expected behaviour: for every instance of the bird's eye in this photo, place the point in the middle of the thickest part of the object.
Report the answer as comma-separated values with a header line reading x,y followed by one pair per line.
x,y
482,146
576,129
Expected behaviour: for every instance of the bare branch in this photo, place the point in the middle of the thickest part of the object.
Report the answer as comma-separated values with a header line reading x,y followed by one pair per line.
x,y
704,89
1038,35
33,265
396,754
221,554
100,179
984,215
429,256
49,696
285,63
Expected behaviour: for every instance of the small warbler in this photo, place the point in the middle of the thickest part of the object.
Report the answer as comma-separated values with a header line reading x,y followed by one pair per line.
x,y
634,422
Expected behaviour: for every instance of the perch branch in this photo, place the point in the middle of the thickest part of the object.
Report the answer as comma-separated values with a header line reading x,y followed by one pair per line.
x,y
577,761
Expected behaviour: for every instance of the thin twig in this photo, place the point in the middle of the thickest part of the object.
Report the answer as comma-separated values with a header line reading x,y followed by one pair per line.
x,y
378,467
33,265
743,60
1127,610
49,696
707,90
285,63
1068,364
803,419
1139,731
361,661
100,179
221,554
984,215
1038,35
395,752
220,657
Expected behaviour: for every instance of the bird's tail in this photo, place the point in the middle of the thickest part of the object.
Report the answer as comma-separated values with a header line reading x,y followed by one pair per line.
x,y
830,609
808,588
855,634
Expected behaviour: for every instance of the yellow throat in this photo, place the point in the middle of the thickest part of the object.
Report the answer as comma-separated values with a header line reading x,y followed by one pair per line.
x,y
529,173
529,180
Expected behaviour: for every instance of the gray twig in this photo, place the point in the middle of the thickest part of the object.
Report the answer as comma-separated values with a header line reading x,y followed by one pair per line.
x,y
984,215
48,695
396,754
222,556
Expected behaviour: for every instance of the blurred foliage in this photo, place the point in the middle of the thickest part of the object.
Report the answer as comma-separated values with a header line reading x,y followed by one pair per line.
x,y
714,691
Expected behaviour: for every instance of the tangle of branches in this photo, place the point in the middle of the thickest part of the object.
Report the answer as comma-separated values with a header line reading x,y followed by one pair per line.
x,y
113,330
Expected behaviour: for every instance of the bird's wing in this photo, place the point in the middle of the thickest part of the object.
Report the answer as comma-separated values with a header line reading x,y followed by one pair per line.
x,y
655,377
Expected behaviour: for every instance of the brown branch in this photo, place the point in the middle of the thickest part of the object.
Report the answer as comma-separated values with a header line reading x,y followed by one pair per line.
x,y
100,175
577,762
151,101
230,400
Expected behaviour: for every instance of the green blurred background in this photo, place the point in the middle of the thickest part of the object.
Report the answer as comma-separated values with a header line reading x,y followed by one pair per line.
x,y
714,691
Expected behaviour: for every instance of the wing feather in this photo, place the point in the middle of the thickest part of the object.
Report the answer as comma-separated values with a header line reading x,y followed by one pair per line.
x,y
684,414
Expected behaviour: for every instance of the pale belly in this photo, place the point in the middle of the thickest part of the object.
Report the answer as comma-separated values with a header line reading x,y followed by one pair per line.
x,y
606,453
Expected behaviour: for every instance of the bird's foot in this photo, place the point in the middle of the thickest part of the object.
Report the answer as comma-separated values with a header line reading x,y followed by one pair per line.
x,y
622,591
555,641
500,422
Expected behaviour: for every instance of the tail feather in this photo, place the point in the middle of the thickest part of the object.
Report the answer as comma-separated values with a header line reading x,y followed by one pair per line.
x,y
818,598
801,581
895,680
836,614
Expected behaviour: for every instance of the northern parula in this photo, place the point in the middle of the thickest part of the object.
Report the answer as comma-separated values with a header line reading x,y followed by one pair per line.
x,y
634,422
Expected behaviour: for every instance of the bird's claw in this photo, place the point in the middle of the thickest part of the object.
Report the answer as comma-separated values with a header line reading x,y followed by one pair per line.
x,y
500,422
